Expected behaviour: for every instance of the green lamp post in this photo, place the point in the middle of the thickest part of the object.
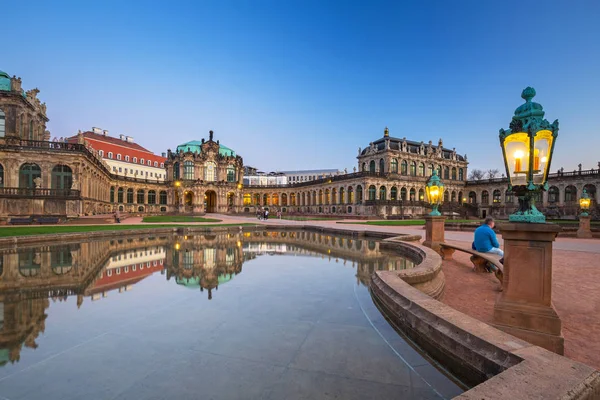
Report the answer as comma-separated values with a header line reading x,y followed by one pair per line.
x,y
584,203
434,190
527,148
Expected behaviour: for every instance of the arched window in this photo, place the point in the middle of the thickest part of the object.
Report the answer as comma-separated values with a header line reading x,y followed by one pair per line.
x,y
364,167
421,194
382,193
62,177
485,197
149,163
210,174
120,195
460,197
134,160
110,155
404,167
327,196
413,168
118,156
394,165
439,171
163,197
112,194
156,164
130,196
570,194
350,195
188,170
372,192
151,197
421,169
176,171
394,193
472,198
403,194
342,197
372,166
140,196
381,166
508,197
101,153
497,196
461,176
412,194
230,173
127,158
320,197
446,172
431,168
359,194
27,174
2,123
141,161
446,196
454,173
162,164
453,197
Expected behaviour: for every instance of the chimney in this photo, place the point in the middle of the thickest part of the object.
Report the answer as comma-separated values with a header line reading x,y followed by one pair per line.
x,y
105,132
129,139
97,130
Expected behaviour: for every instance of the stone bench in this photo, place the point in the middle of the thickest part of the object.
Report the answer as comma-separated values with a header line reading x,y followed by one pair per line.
x,y
48,220
21,221
481,261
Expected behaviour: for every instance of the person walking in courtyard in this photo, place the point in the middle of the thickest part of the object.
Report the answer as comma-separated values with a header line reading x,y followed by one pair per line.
x,y
266,215
117,217
485,240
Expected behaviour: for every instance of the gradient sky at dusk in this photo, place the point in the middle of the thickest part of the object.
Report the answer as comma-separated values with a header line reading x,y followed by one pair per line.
x,y
303,84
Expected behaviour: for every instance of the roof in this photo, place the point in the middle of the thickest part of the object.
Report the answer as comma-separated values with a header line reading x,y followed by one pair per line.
x,y
4,81
195,146
194,282
112,140
310,171
413,147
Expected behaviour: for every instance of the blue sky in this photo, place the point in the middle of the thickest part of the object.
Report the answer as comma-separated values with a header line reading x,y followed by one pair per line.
x,y
302,85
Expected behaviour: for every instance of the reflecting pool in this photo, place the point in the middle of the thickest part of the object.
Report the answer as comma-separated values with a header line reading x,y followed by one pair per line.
x,y
244,315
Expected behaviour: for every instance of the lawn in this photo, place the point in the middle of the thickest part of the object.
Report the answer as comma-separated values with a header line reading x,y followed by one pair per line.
x,y
177,218
44,230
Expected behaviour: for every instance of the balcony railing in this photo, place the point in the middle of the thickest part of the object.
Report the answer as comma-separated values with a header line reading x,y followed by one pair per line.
x,y
40,193
551,176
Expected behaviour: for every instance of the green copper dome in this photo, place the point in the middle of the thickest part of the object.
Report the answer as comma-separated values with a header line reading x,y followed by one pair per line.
x,y
194,283
195,146
4,81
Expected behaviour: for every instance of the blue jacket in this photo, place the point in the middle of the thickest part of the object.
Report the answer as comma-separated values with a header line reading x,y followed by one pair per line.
x,y
485,239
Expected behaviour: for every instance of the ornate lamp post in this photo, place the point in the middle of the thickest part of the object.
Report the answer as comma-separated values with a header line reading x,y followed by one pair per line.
x,y
524,308
527,148
435,190
434,221
584,230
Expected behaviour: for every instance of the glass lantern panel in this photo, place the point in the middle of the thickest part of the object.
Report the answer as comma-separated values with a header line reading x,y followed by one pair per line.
x,y
433,194
542,145
516,147
584,203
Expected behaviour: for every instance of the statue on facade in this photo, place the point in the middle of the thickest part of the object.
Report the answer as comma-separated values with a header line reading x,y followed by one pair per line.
x,y
38,182
387,144
422,148
210,136
75,184
404,145
359,150
354,169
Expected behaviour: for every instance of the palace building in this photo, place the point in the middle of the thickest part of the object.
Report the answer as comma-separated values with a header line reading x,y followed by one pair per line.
x,y
94,173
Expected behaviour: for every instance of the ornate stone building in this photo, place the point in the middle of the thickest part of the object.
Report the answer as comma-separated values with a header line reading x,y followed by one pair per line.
x,y
206,176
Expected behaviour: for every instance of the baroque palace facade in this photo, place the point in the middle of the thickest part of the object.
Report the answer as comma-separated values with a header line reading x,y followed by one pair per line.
x,y
72,178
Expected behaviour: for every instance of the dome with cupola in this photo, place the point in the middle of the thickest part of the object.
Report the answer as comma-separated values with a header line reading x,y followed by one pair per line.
x,y
4,81
195,146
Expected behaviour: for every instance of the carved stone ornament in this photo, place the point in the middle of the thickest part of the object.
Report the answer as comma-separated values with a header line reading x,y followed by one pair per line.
x,y
38,182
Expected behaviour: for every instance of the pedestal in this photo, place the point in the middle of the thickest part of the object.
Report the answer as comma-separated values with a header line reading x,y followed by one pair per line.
x,y
524,309
434,232
584,230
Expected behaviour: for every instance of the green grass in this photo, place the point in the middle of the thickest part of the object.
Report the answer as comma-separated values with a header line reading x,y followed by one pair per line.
x,y
44,230
177,218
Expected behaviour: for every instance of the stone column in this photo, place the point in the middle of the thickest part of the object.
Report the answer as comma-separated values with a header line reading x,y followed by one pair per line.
x,y
524,308
584,230
434,231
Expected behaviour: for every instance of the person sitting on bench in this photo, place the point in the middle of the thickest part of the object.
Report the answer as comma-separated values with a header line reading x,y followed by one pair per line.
x,y
485,239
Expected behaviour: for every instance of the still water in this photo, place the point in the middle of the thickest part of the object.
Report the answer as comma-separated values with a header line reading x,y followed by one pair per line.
x,y
248,315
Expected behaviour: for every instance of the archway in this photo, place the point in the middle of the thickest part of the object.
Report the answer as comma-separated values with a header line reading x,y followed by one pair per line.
x,y
210,201
188,198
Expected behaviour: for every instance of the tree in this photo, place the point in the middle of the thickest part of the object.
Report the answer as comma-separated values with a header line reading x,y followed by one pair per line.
x,y
476,175
491,173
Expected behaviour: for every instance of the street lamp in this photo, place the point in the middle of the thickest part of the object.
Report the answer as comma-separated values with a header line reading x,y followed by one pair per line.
x,y
527,148
584,203
434,190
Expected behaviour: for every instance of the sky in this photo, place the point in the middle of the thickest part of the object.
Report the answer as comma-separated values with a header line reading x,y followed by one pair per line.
x,y
303,84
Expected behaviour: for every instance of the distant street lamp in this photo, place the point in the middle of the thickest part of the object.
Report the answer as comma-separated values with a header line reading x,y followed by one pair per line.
x,y
434,190
527,148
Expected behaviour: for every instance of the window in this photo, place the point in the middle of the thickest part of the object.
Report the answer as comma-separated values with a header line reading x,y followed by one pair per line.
x,y
127,158
2,123
485,197
162,164
188,170
110,155
372,192
553,194
1,176
209,172
135,160
403,194
359,194
151,174
120,195
151,197
382,193
394,165
118,156
460,174
114,169
155,163
230,174
140,196
112,194
381,166
394,193
30,130
497,196
141,160
454,173
130,196
413,168
421,169
446,172
570,194
404,167
120,169
62,177
101,153
149,163
28,174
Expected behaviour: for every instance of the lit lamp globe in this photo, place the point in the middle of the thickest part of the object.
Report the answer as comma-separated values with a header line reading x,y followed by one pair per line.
x,y
527,148
584,203
434,190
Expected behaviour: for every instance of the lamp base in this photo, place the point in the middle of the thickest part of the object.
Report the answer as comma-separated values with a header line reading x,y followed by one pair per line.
x,y
527,212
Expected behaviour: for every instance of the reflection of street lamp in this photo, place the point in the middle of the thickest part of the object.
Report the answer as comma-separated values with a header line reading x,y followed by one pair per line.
x,y
434,189
584,203
527,148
